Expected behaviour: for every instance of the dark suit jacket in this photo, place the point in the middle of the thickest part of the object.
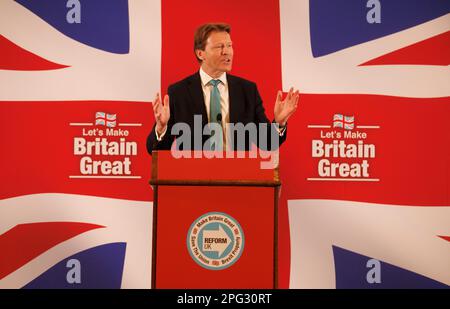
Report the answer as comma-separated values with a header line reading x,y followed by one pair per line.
x,y
186,100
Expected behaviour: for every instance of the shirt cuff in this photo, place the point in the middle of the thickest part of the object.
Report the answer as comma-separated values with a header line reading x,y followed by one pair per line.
x,y
280,130
160,137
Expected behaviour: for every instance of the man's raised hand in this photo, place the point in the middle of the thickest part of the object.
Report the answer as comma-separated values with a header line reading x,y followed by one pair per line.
x,y
285,108
161,110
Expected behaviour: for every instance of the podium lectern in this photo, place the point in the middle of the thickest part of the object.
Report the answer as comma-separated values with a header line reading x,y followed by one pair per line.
x,y
214,222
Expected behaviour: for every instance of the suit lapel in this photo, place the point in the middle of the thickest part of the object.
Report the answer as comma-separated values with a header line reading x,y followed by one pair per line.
x,y
235,98
196,93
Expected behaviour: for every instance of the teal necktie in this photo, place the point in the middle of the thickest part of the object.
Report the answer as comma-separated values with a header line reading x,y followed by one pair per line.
x,y
214,112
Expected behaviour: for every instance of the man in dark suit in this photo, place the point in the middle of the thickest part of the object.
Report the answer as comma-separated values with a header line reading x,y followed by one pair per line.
x,y
208,103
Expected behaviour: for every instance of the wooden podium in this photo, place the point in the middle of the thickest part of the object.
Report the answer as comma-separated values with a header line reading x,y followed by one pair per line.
x,y
214,222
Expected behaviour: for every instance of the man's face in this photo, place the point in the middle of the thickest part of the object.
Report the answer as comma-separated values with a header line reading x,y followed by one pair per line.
x,y
218,54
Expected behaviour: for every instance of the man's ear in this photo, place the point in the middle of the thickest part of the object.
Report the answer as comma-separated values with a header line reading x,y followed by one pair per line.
x,y
199,54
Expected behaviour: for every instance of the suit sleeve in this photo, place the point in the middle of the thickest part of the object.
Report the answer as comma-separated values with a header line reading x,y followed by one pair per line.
x,y
167,140
270,138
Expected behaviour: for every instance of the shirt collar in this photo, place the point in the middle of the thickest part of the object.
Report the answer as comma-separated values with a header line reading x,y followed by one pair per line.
x,y
206,78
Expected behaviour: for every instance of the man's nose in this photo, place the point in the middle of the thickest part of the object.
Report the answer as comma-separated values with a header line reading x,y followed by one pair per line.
x,y
226,50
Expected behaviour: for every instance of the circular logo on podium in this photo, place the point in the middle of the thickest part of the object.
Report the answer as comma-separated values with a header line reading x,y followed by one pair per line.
x,y
215,241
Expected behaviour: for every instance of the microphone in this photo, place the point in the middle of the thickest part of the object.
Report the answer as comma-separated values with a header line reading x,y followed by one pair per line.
x,y
219,118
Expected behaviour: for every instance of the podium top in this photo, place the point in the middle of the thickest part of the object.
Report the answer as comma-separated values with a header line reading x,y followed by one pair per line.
x,y
215,169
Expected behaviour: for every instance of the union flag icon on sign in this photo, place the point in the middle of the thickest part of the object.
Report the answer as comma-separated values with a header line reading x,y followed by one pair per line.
x,y
104,119
341,121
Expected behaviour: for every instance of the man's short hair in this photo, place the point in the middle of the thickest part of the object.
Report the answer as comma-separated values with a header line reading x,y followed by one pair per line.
x,y
202,33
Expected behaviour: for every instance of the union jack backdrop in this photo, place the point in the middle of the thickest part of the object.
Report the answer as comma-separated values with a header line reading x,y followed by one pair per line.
x,y
365,169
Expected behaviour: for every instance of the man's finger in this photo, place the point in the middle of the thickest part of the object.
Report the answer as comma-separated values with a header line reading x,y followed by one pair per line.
x,y
166,102
156,106
290,93
295,98
156,98
279,96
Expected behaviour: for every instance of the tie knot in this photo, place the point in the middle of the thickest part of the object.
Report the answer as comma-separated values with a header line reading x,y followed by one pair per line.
x,y
214,82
